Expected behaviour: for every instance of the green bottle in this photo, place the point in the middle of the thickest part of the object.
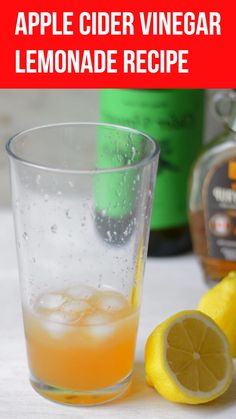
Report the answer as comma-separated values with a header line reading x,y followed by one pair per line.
x,y
174,117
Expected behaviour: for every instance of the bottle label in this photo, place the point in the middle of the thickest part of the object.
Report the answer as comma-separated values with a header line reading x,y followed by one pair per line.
x,y
174,117
219,200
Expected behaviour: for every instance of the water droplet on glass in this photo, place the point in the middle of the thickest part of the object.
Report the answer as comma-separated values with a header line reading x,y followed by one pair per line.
x,y
109,236
46,197
59,193
25,236
133,152
38,178
68,214
54,228
104,211
117,193
33,260
71,184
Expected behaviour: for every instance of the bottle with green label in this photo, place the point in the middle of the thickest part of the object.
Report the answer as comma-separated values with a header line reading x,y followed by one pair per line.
x,y
174,117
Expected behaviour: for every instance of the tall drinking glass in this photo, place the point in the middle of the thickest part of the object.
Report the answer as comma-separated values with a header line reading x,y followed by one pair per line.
x,y
82,198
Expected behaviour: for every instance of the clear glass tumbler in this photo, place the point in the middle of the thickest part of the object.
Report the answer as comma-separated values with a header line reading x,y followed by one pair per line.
x,y
82,198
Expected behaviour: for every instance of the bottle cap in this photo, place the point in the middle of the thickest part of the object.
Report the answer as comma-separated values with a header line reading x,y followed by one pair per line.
x,y
225,107
232,116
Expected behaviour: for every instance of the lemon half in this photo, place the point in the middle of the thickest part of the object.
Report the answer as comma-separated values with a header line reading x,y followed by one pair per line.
x,y
187,359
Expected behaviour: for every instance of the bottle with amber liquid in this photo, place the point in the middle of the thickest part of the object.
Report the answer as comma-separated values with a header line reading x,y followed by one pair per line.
x,y
174,117
212,201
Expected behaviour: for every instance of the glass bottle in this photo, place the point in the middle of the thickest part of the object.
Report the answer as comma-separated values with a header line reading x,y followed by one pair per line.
x,y
175,118
212,201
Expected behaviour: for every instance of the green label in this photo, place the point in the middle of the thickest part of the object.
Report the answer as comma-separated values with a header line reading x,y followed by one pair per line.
x,y
174,117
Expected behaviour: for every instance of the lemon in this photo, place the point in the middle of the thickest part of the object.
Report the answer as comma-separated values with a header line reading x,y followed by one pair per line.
x,y
187,359
220,304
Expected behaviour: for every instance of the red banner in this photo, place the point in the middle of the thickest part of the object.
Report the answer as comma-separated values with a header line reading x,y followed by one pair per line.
x,y
97,44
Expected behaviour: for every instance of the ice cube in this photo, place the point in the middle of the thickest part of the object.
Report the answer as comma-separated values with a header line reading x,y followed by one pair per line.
x,y
98,325
56,324
111,301
81,291
51,301
96,318
76,306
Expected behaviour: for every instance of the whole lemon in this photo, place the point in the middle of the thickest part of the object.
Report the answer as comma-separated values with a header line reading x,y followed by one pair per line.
x,y
219,303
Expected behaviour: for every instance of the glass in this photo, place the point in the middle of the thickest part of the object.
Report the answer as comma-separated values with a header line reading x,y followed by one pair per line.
x,y
82,198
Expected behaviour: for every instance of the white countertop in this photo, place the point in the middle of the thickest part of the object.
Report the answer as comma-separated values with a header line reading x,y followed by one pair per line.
x,y
171,285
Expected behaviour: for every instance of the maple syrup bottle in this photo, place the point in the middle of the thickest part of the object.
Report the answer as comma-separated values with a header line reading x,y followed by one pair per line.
x,y
174,117
212,206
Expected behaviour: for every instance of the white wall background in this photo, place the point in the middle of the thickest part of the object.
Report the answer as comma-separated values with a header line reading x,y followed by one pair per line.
x,y
25,108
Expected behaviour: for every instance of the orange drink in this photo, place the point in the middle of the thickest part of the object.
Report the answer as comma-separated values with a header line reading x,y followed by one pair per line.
x,y
80,339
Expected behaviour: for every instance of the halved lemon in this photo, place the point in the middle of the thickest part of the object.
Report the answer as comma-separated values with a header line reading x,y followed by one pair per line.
x,y
187,358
